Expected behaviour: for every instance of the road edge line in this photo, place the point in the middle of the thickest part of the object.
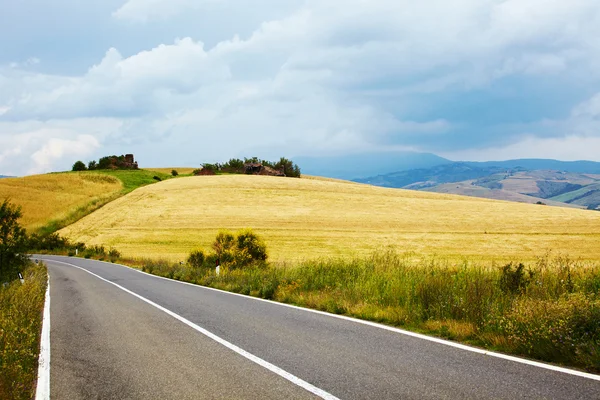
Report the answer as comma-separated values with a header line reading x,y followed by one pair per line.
x,y
444,342
42,390
249,356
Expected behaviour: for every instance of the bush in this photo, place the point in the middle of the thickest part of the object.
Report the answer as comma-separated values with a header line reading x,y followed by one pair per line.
x,y
514,281
156,178
79,166
249,243
13,241
174,173
196,259
114,255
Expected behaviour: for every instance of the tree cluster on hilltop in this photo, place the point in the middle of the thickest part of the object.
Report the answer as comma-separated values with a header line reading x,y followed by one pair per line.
x,y
108,162
252,165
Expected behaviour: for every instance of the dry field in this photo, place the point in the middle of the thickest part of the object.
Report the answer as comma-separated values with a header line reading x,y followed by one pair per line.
x,y
311,218
44,198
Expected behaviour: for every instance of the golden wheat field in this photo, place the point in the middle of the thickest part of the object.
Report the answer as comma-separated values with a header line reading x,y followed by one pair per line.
x,y
311,218
44,198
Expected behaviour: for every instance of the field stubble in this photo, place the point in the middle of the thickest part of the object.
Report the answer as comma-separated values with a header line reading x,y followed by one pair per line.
x,y
310,218
47,199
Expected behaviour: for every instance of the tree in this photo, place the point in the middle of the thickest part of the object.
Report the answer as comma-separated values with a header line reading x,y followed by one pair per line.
x,y
92,165
174,172
288,167
13,241
79,166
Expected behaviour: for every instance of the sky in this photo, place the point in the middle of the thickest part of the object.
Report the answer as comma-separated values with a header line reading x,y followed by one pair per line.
x,y
182,82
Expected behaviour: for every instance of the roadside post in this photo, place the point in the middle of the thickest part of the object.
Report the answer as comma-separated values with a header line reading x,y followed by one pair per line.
x,y
21,278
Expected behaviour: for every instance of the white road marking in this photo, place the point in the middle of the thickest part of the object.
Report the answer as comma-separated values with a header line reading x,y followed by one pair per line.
x,y
265,364
42,391
388,328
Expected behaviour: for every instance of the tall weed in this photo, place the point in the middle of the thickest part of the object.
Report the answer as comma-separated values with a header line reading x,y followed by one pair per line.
x,y
21,308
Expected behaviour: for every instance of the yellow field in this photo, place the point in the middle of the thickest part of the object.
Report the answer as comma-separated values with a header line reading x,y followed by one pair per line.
x,y
44,198
309,218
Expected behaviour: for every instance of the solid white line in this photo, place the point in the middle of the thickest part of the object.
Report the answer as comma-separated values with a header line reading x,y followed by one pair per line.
x,y
42,391
265,364
391,329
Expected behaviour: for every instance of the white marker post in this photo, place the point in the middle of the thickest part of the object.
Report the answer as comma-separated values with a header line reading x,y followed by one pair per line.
x,y
21,278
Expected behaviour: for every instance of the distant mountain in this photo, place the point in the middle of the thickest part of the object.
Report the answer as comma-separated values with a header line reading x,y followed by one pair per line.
x,y
576,184
4,176
363,165
427,177
582,167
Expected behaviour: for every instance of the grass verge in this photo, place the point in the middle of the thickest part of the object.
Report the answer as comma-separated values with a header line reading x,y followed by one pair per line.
x,y
549,310
21,307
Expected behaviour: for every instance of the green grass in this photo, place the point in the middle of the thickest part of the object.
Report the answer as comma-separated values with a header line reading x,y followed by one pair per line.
x,y
548,310
21,307
133,179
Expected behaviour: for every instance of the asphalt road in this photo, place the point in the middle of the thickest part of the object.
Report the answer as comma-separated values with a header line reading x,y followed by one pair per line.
x,y
107,343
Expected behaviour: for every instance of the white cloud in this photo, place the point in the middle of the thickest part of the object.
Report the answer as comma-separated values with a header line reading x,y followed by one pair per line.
x,y
55,149
30,147
331,75
144,10
569,148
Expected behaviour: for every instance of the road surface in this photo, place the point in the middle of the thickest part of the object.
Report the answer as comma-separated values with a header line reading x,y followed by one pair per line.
x,y
123,334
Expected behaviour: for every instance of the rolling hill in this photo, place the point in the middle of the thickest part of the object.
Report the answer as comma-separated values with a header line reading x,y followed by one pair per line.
x,y
51,197
312,218
553,187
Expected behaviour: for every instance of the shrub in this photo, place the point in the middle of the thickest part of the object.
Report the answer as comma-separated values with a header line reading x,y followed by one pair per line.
x,y
249,243
114,255
514,281
237,251
196,259
174,173
156,178
224,246
13,240
79,166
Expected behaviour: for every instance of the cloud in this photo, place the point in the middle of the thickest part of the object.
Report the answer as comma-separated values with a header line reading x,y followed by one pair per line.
x,y
569,148
55,149
144,10
31,147
327,76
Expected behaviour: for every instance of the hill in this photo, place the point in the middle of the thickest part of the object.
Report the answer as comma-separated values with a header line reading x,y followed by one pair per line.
x,y
51,197
499,182
52,201
311,218
363,165
589,167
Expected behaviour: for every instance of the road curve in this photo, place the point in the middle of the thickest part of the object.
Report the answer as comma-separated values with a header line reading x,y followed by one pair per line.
x,y
117,342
